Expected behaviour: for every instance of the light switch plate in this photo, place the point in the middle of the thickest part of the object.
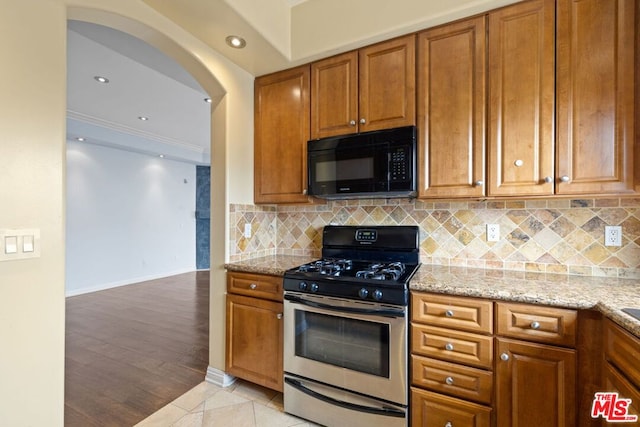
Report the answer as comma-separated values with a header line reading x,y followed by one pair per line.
x,y
16,244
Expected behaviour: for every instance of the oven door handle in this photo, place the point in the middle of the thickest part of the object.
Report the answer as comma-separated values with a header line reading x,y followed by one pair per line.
x,y
389,412
385,312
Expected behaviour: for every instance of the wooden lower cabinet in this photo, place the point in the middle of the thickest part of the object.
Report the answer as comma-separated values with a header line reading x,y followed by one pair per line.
x,y
254,340
436,410
535,384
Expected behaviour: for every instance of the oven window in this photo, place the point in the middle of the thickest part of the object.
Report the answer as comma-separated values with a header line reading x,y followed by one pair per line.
x,y
347,343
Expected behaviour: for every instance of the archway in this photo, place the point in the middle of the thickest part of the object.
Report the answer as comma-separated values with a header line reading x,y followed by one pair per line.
x,y
190,61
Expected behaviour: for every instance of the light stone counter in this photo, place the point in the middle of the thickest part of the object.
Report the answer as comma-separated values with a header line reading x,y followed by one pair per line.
x,y
605,294
274,265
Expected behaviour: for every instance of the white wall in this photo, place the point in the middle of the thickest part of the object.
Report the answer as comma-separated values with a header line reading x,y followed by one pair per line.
x,y
130,217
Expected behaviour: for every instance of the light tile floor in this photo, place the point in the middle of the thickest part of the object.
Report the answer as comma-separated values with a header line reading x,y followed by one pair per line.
x,y
240,405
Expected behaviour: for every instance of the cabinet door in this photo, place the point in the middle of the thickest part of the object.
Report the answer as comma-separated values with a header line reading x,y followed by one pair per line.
x,y
521,99
451,109
281,133
387,75
595,96
435,410
334,96
254,340
535,385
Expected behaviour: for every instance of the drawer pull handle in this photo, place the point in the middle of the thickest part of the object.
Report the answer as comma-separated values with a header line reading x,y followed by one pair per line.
x,y
448,424
448,346
535,325
504,356
279,316
448,313
449,380
253,286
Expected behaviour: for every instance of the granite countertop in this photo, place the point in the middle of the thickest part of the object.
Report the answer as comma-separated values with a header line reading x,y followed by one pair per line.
x,y
605,294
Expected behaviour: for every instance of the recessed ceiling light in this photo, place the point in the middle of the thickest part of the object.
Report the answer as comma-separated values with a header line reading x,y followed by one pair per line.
x,y
101,79
236,42
207,100
81,139
161,156
143,118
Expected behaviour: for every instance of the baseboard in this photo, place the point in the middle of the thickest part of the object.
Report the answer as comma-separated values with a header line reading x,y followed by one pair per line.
x,y
219,378
132,281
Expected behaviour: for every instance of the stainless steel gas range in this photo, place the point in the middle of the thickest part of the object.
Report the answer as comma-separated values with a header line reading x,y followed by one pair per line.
x,y
346,327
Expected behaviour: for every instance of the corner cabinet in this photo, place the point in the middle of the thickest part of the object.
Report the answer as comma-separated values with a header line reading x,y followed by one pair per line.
x,y
281,126
254,330
595,97
621,371
369,89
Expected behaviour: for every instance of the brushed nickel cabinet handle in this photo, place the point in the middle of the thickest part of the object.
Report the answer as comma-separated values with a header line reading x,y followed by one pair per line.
x,y
352,123
253,286
448,313
564,178
362,121
535,325
449,380
504,356
448,346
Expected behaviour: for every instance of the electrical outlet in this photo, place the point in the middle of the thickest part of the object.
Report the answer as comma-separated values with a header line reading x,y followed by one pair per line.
x,y
612,235
247,230
493,232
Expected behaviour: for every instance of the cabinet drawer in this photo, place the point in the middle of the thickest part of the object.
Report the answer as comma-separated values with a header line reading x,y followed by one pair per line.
x,y
255,285
452,346
467,314
623,350
453,379
435,410
535,323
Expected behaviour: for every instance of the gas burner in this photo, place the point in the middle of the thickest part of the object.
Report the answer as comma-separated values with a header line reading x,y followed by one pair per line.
x,y
327,267
382,271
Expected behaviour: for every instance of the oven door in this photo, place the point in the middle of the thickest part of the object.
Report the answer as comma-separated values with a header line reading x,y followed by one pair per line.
x,y
353,345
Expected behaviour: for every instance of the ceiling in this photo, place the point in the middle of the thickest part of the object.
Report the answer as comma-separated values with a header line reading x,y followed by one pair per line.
x,y
280,34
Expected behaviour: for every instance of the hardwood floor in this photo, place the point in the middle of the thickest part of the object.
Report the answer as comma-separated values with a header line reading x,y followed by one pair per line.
x,y
133,349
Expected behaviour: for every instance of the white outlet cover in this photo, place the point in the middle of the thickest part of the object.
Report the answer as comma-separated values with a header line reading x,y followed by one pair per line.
x,y
247,230
613,235
493,232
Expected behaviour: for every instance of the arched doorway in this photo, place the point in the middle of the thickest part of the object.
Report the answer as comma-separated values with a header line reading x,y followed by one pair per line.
x,y
192,60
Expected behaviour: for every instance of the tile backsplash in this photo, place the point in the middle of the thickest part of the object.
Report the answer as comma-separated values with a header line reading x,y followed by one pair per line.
x,y
553,236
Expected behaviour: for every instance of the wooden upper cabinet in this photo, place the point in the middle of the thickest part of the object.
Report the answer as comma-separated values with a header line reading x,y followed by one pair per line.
x,y
281,120
369,89
595,96
334,101
521,99
451,109
387,84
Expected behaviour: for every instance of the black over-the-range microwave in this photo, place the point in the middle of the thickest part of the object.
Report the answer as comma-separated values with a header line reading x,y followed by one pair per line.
x,y
377,164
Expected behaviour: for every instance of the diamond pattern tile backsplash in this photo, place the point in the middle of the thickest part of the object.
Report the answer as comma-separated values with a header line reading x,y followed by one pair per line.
x,y
553,236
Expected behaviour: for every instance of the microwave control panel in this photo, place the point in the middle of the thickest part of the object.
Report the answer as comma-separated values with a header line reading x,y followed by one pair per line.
x,y
399,168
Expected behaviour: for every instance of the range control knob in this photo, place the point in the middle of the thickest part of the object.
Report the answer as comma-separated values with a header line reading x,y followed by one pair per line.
x,y
363,293
302,286
314,287
377,295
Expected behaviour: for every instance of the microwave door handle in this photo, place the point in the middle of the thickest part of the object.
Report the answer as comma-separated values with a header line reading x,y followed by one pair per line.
x,y
387,312
360,408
